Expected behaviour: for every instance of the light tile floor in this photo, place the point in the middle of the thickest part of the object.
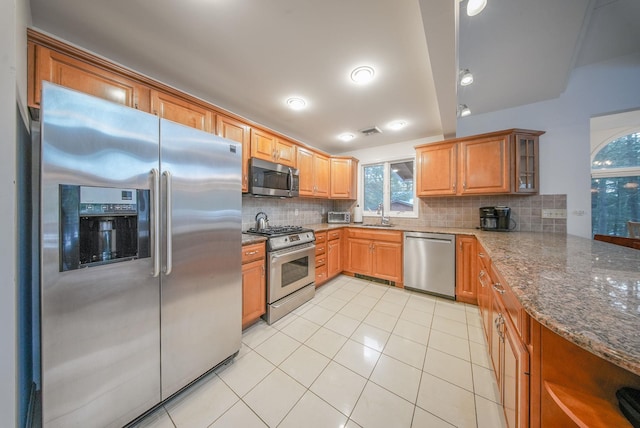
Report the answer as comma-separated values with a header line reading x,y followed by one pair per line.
x,y
360,354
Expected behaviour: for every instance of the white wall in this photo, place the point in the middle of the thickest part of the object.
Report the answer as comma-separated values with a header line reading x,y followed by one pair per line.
x,y
13,53
593,90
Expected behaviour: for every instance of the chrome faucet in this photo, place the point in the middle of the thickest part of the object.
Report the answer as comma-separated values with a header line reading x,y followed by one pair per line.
x,y
383,219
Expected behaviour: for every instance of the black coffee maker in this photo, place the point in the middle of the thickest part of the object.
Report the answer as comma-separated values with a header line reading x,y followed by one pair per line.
x,y
495,218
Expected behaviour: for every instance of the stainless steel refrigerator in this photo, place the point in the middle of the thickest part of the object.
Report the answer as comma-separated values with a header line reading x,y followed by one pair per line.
x,y
140,258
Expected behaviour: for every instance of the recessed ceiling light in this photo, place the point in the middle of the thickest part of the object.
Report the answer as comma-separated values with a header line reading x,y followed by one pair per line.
x,y
466,78
463,110
347,136
296,103
474,7
397,125
363,74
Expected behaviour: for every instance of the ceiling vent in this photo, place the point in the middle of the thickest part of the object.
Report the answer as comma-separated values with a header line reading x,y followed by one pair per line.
x,y
371,131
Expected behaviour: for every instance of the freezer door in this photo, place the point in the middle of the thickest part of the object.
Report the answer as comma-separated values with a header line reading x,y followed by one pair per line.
x,y
201,288
100,336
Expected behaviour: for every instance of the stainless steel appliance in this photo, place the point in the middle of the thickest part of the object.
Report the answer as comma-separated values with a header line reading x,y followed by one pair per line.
x,y
140,258
430,263
339,217
495,218
291,268
273,179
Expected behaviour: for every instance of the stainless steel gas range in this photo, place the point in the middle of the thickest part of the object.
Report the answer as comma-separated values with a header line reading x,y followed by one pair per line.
x,y
291,268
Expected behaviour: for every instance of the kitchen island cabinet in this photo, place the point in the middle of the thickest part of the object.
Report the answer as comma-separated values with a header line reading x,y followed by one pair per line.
x,y
254,286
503,162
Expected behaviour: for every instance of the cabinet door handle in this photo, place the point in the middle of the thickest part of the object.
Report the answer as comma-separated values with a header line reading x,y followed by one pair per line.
x,y
263,271
481,255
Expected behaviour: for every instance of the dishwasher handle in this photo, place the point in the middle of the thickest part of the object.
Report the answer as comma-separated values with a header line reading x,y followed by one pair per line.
x,y
437,240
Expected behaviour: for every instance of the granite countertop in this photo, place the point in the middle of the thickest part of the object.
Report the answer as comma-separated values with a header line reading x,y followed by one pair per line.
x,y
248,239
584,290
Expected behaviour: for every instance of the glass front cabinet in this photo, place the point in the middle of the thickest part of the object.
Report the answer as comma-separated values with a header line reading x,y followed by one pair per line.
x,y
526,163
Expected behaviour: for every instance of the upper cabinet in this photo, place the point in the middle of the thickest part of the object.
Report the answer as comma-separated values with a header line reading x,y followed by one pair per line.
x,y
344,177
495,163
314,173
235,130
178,110
268,147
51,66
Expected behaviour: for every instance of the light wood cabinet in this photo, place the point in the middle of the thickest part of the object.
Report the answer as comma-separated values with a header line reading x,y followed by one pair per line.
x,y
268,147
571,387
376,253
344,178
509,353
496,163
254,286
180,111
321,258
51,66
436,169
334,253
314,173
483,288
240,132
466,266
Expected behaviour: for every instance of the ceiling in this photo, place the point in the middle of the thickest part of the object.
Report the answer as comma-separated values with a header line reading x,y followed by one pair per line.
x,y
249,56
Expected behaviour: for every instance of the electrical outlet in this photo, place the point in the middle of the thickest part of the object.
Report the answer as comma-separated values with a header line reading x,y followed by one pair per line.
x,y
554,213
579,212
296,212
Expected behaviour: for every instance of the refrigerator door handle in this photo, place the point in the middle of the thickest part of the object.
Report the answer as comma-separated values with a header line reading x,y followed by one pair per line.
x,y
168,232
155,218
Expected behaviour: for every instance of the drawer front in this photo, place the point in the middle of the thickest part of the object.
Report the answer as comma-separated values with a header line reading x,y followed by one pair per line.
x,y
321,274
334,234
321,249
321,237
321,260
376,235
253,252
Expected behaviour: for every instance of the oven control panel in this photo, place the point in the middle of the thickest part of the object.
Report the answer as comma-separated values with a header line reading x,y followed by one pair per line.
x,y
291,240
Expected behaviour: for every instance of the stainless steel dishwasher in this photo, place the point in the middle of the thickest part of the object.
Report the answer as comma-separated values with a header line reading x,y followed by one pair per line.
x,y
430,263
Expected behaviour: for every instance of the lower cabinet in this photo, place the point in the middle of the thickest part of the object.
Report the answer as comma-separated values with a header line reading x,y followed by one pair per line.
x,y
321,258
511,364
466,280
328,255
334,253
376,253
254,285
506,327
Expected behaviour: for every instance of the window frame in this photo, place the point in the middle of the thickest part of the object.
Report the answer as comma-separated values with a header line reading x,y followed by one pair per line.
x,y
603,173
386,190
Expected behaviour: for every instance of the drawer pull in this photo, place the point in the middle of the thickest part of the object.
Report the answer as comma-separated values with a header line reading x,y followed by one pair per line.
x,y
250,253
499,288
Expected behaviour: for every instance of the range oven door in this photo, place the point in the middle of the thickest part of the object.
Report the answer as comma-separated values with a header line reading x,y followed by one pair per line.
x,y
290,269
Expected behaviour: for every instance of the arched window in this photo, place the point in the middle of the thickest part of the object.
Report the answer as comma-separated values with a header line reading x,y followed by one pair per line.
x,y
615,178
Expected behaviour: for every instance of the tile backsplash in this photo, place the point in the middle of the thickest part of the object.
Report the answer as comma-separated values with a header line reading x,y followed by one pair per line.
x,y
460,212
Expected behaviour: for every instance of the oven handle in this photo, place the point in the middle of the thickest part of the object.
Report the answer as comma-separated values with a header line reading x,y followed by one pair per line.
x,y
310,249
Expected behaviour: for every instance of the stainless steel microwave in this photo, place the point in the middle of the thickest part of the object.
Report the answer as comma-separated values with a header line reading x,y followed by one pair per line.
x,y
338,217
273,179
